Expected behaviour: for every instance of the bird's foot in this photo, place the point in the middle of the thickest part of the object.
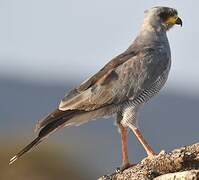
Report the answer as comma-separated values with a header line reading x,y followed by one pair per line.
x,y
123,167
152,155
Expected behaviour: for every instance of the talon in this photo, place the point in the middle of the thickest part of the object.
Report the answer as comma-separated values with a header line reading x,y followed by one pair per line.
x,y
151,155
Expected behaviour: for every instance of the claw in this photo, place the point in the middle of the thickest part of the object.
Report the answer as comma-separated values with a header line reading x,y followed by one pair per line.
x,y
150,156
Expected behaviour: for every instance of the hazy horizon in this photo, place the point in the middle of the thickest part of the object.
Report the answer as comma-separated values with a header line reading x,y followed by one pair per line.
x,y
48,47
56,41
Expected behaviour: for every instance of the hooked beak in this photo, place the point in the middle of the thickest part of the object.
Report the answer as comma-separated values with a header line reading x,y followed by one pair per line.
x,y
174,20
179,21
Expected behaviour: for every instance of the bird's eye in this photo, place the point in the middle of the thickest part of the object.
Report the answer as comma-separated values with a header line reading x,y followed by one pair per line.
x,y
164,16
167,14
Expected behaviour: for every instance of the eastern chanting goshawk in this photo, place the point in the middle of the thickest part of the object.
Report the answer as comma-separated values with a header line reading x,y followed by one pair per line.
x,y
121,87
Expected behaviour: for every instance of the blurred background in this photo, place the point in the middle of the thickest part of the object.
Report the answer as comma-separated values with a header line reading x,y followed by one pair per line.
x,y
48,47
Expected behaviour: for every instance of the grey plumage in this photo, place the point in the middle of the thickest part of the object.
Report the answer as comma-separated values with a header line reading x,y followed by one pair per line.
x,y
121,86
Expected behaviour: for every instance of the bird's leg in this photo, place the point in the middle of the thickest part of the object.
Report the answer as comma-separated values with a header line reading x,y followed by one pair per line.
x,y
144,143
125,161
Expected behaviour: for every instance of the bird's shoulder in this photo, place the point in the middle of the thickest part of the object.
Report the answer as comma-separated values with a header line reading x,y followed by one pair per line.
x,y
107,71
112,83
102,78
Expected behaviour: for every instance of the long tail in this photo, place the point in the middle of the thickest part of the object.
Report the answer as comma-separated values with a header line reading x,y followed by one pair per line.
x,y
50,124
24,150
59,119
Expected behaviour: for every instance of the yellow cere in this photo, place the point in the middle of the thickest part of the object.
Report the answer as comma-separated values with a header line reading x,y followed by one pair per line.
x,y
172,19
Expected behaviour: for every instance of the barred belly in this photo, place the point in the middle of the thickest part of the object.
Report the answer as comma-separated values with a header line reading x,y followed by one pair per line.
x,y
130,107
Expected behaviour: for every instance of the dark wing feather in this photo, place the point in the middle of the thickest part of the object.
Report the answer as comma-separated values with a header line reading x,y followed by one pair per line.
x,y
123,77
104,76
124,81
54,116
112,85
114,63
50,124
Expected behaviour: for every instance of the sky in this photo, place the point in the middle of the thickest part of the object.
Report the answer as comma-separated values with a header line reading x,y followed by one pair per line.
x,y
58,41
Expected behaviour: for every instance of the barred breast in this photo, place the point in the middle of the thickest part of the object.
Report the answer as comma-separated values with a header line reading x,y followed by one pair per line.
x,y
130,107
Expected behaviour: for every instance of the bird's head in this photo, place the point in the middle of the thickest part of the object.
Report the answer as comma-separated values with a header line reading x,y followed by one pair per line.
x,y
162,18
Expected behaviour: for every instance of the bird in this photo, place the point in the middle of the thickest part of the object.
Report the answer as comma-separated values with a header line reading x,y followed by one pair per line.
x,y
121,87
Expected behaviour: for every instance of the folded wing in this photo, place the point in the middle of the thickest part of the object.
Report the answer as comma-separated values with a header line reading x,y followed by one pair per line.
x,y
101,89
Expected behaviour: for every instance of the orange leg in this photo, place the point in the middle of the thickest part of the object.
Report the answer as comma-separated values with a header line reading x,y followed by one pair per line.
x,y
144,143
125,161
